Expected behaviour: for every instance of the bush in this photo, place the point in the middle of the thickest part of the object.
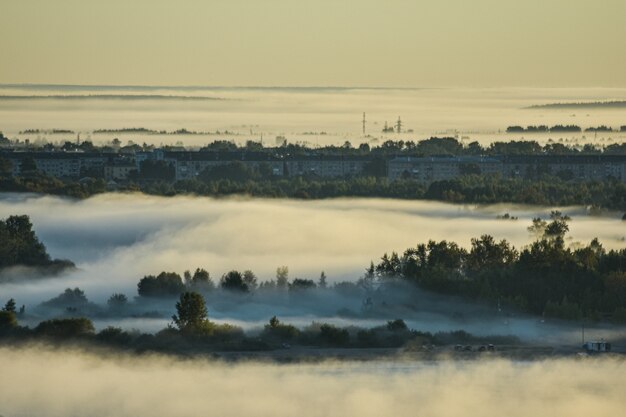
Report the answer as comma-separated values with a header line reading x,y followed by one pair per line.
x,y
333,335
219,332
65,328
7,320
114,336
368,338
278,331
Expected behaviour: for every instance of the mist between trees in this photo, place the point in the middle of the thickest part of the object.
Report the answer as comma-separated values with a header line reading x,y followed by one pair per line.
x,y
544,278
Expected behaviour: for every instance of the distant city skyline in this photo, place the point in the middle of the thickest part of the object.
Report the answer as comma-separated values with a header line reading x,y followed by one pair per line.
x,y
369,43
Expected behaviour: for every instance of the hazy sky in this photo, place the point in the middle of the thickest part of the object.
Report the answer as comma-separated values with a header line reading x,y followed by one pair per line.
x,y
315,42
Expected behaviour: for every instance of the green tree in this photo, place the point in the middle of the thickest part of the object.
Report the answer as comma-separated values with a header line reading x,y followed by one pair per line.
x,y
487,253
19,245
10,306
557,228
117,301
69,298
166,284
282,277
200,280
300,284
397,325
191,312
322,283
538,227
233,281
250,279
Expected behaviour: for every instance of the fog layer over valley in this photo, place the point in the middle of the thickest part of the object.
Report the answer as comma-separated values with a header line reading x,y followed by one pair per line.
x,y
317,116
116,239
37,381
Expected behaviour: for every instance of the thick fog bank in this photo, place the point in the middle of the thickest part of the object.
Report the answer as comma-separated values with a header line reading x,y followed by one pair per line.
x,y
317,116
115,239
42,382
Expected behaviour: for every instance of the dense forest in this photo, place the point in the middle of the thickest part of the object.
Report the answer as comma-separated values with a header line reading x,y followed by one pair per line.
x,y
544,190
544,278
468,189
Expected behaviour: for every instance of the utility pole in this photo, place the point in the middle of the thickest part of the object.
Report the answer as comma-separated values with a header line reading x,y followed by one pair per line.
x,y
364,123
399,125
583,331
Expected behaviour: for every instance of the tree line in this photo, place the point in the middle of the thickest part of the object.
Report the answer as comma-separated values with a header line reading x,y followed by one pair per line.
x,y
540,189
545,278
191,330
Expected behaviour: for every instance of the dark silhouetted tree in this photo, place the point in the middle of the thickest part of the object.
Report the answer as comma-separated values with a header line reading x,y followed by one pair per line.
x,y
233,281
166,284
282,277
191,312
10,306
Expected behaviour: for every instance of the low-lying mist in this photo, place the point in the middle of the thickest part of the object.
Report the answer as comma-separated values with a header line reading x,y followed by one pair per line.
x,y
303,114
115,239
40,381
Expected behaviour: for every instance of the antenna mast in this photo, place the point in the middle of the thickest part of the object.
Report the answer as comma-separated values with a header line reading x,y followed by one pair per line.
x,y
399,125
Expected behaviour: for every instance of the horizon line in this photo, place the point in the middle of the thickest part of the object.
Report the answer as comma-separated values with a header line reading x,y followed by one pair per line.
x,y
190,86
289,87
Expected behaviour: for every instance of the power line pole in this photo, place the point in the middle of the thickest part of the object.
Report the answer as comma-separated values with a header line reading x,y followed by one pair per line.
x,y
364,123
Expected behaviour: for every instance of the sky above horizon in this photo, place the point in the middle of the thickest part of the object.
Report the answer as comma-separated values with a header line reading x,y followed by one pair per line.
x,y
479,43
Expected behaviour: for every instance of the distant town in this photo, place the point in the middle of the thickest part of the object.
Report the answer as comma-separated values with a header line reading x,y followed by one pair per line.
x,y
426,161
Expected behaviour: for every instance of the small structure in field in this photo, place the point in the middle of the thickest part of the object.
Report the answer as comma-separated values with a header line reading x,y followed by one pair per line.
x,y
597,346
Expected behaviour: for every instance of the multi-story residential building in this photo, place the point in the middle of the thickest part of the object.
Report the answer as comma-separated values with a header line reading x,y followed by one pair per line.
x,y
569,167
429,169
325,166
189,165
572,167
119,170
69,165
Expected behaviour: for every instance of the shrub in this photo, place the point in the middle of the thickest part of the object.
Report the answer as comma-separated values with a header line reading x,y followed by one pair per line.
x,y
114,336
333,335
278,331
65,328
7,320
